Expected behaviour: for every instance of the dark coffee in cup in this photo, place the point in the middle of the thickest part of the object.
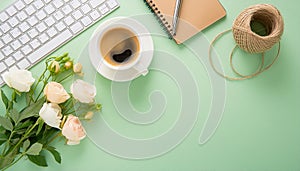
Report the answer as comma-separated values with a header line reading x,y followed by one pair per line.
x,y
119,46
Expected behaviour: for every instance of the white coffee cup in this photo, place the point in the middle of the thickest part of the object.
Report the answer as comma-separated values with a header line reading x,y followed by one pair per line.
x,y
118,46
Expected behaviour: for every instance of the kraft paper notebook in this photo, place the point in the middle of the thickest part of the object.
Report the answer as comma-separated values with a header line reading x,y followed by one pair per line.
x,y
195,15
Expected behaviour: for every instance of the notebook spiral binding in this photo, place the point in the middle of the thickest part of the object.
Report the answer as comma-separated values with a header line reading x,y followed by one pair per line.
x,y
160,18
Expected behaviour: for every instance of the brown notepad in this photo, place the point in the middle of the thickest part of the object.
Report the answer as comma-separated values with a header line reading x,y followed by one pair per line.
x,y
195,15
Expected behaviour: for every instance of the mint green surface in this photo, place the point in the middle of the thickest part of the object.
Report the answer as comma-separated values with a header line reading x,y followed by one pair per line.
x,y
261,122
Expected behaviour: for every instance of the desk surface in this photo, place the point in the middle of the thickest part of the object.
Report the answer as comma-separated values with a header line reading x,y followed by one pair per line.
x,y
260,125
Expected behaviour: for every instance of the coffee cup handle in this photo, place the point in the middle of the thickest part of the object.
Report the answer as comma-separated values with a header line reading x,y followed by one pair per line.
x,y
141,69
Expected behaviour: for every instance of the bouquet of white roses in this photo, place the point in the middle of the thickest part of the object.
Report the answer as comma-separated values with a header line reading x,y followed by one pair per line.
x,y
38,112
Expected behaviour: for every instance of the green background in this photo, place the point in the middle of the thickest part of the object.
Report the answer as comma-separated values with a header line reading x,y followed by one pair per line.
x,y
261,121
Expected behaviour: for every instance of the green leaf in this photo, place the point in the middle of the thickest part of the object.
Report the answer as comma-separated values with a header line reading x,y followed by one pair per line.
x,y
13,96
14,115
8,159
2,130
14,141
26,144
25,124
55,154
32,110
35,149
6,123
41,124
62,76
4,99
28,96
3,137
2,142
38,160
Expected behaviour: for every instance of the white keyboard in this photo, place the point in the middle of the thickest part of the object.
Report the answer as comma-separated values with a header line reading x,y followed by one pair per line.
x,y
32,29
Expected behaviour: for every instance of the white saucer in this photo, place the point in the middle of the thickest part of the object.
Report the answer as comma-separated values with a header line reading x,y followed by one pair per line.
x,y
146,44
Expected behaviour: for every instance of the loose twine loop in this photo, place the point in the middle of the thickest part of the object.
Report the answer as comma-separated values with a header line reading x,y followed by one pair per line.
x,y
251,42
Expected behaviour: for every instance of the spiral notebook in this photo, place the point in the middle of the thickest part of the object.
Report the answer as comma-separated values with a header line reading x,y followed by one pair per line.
x,y
195,15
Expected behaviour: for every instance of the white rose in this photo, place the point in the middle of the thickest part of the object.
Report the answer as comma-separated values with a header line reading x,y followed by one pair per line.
x,y
83,91
51,114
73,130
55,93
20,80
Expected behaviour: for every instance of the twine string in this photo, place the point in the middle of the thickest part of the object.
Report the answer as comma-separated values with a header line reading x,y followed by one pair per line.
x,y
250,41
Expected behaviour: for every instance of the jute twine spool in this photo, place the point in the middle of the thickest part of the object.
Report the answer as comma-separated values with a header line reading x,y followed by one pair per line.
x,y
249,41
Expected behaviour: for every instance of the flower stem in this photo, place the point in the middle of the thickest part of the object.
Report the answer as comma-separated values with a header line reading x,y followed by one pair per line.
x,y
7,143
20,157
66,77
53,138
26,134
38,82
44,85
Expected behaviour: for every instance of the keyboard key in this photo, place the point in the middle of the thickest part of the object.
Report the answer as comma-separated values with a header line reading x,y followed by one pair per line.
x,y
1,81
30,10
86,9
28,1
19,5
112,3
11,10
24,39
86,21
16,44
103,9
41,27
33,33
32,21
58,15
38,4
35,44
67,9
49,9
9,61
77,15
95,15
96,3
50,21
48,47
13,22
43,38
7,39
60,26
69,20
24,27
47,1
51,32
76,28
26,49
58,3
16,32
22,16
5,27
2,67
75,4
41,15
1,44
1,56
18,55
23,64
3,16
7,50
